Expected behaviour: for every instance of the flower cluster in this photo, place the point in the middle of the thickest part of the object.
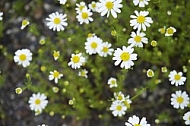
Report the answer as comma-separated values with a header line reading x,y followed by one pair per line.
x,y
120,104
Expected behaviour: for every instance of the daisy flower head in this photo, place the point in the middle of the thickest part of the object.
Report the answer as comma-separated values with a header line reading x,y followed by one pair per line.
x,y
153,43
38,102
179,99
135,121
118,108
18,90
57,21
150,73
76,61
80,7
162,30
24,24
55,75
176,78
109,6
56,54
112,82
43,125
83,73
23,57
140,21
93,6
106,50
141,3
138,39
119,96
93,45
186,118
62,1
1,16
125,56
85,16
170,31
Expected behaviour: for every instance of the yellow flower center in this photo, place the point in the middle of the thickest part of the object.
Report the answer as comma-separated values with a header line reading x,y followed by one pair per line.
x,y
37,101
125,56
76,59
140,19
137,38
177,77
24,22
180,99
105,49
81,7
170,31
83,73
94,5
119,107
162,30
84,15
113,82
109,5
153,43
57,21
137,125
119,97
56,74
150,73
56,54
22,57
94,45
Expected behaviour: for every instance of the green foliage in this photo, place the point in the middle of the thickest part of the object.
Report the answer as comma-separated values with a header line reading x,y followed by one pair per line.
x,y
82,97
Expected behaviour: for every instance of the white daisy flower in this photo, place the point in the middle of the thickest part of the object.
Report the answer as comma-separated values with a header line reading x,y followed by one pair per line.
x,y
170,31
55,75
119,96
176,78
135,121
57,21
118,108
62,1
56,54
138,39
77,60
107,6
23,57
179,99
141,3
112,82
162,30
140,21
85,16
106,50
43,125
150,73
93,45
1,16
125,56
186,118
24,24
80,7
83,73
38,102
93,6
